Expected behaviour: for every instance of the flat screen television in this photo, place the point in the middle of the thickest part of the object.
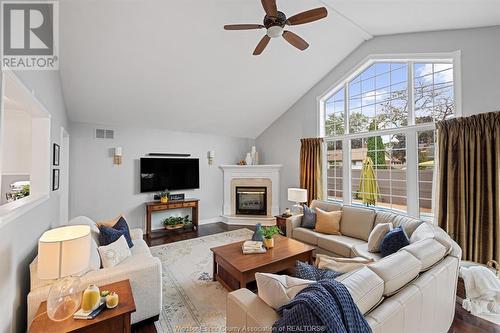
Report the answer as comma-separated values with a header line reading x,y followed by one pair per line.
x,y
158,174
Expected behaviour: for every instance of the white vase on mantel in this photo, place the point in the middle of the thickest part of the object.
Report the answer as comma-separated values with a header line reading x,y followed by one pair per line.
x,y
248,159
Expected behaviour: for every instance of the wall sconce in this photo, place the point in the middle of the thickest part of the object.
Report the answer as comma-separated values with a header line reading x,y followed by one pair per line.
x,y
211,156
117,158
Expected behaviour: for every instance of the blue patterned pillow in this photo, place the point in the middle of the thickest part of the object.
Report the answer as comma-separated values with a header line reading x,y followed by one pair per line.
x,y
309,218
309,272
109,235
393,241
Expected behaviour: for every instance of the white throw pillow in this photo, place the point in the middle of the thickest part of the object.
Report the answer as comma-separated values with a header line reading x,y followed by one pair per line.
x,y
376,236
114,253
278,290
340,265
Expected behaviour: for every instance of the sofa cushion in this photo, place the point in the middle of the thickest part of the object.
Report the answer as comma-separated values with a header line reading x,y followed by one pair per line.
x,y
341,245
376,236
409,224
365,287
428,230
327,206
340,265
114,253
305,235
396,270
139,247
357,222
328,222
429,251
277,290
109,235
361,250
393,241
308,217
384,217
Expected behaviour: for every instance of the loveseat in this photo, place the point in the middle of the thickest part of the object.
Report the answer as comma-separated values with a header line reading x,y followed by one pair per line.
x,y
412,290
141,269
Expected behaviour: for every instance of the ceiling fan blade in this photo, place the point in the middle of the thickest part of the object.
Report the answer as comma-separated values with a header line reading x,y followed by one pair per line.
x,y
295,40
308,16
262,45
270,7
243,26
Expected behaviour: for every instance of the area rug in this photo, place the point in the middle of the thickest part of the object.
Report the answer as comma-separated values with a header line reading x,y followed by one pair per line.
x,y
192,302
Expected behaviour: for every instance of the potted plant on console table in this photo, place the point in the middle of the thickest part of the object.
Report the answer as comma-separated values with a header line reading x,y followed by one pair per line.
x,y
164,196
173,222
269,233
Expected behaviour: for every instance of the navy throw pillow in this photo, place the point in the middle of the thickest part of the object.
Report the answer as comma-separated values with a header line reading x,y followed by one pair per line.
x,y
109,235
309,272
393,241
308,218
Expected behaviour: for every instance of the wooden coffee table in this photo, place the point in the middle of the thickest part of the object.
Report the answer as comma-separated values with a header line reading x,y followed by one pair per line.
x,y
234,270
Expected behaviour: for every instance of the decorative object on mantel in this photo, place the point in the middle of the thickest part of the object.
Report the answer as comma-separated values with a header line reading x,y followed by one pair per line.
x,y
55,179
55,154
117,158
255,156
258,235
63,252
242,162
248,159
299,196
164,196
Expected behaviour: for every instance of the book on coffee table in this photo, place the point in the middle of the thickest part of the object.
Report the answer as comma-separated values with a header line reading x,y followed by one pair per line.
x,y
250,247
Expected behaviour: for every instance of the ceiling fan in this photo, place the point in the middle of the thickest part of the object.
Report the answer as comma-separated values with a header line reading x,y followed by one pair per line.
x,y
275,22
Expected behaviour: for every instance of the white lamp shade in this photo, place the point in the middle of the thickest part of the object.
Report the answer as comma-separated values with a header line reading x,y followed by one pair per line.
x,y
297,195
63,251
118,151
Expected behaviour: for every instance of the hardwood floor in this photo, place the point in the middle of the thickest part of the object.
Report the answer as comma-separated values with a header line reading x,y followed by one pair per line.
x,y
463,322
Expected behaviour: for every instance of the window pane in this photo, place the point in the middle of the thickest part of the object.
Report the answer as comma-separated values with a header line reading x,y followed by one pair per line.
x,y
425,172
388,173
433,92
334,170
334,113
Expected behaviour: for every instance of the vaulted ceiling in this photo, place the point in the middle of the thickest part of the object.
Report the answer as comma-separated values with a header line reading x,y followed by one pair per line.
x,y
169,64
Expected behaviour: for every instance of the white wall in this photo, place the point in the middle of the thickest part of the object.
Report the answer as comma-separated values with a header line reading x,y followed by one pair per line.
x,y
480,54
102,190
19,237
16,148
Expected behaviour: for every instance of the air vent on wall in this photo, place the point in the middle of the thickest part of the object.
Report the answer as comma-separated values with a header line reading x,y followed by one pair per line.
x,y
101,133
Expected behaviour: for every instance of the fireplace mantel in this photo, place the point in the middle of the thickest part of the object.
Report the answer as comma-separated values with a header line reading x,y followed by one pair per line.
x,y
247,173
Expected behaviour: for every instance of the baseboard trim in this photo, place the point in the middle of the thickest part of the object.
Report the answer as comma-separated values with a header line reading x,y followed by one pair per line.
x,y
210,220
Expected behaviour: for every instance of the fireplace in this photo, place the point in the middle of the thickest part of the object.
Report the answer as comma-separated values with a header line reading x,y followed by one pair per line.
x,y
251,200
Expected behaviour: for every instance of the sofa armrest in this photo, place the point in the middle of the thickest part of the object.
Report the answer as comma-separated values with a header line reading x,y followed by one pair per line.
x,y
246,312
136,233
142,270
291,223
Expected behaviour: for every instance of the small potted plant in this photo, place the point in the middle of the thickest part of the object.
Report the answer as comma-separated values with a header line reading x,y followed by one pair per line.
x,y
188,224
173,222
164,196
269,233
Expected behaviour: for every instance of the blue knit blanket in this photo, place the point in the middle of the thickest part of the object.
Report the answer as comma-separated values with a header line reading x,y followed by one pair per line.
x,y
325,306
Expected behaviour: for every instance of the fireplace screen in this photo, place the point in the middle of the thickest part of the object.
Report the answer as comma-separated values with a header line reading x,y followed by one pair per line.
x,y
251,200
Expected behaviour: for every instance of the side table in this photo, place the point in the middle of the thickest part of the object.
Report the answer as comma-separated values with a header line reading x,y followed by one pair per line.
x,y
115,320
281,223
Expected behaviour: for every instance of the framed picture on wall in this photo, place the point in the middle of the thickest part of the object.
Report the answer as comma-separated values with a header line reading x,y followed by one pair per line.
x,y
55,179
55,154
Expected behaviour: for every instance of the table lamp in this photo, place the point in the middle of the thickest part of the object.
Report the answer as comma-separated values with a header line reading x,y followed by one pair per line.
x,y
62,253
299,196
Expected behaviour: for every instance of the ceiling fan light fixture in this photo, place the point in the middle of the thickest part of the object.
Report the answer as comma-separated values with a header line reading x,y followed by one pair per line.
x,y
275,31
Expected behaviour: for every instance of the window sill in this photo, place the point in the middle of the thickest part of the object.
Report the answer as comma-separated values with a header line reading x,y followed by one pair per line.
x,y
13,210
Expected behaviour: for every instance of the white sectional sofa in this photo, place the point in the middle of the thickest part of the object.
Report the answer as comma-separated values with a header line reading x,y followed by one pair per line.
x,y
410,291
141,269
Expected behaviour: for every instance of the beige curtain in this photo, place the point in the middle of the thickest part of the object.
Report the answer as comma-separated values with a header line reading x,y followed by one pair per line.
x,y
311,167
469,184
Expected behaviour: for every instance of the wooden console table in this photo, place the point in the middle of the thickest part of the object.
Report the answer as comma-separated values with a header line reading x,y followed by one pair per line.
x,y
156,206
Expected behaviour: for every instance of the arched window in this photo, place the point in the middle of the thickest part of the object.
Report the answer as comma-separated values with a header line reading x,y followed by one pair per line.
x,y
386,110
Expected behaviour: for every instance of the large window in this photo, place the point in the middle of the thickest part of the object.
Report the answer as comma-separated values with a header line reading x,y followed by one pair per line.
x,y
384,115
